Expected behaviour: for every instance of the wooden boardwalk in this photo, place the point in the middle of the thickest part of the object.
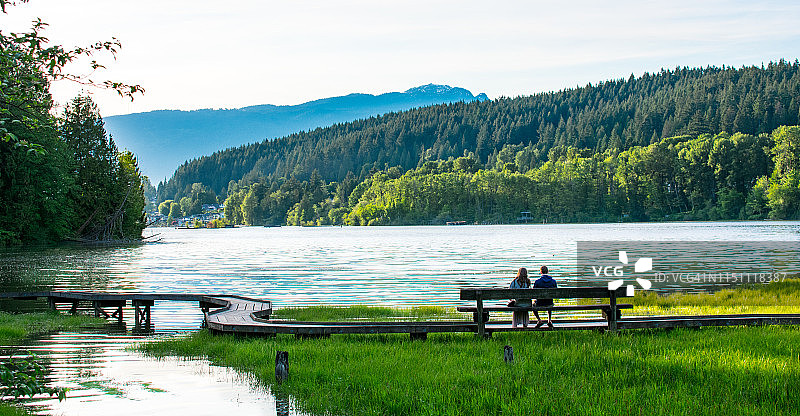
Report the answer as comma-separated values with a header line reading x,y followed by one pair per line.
x,y
248,316
226,308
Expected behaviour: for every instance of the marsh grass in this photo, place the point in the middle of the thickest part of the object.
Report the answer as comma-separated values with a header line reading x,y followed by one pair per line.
x,y
15,327
710,371
10,410
327,313
689,372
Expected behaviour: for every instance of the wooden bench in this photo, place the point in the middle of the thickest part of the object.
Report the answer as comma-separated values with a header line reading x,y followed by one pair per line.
x,y
481,312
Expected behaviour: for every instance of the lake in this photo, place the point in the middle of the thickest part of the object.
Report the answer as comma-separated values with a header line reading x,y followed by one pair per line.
x,y
295,266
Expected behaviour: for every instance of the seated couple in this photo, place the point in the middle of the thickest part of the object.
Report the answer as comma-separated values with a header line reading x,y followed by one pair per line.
x,y
522,282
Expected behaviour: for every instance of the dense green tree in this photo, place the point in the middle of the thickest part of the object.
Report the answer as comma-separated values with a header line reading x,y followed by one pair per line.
x,y
174,212
150,192
95,166
35,202
164,207
233,206
130,183
784,189
41,179
108,190
708,177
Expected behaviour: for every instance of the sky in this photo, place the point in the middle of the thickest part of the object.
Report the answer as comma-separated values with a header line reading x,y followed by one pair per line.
x,y
191,54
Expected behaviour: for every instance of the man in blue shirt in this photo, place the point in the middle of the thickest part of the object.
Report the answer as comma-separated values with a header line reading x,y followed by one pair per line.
x,y
545,281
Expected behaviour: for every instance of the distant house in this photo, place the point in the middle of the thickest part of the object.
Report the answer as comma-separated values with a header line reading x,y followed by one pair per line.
x,y
525,216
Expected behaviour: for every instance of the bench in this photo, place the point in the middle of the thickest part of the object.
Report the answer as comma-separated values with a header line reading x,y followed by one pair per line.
x,y
611,311
604,308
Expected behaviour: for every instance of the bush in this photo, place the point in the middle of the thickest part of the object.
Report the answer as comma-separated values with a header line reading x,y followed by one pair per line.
x,y
24,377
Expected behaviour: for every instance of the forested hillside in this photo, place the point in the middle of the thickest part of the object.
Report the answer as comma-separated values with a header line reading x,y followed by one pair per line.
x,y
611,117
708,177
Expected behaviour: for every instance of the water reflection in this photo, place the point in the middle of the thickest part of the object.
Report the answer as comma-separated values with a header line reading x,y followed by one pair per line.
x,y
301,266
282,404
105,378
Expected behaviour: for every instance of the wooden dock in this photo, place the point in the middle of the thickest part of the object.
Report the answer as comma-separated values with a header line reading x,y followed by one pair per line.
x,y
234,314
217,309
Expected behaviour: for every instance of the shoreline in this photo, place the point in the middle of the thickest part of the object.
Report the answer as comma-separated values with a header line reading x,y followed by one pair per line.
x,y
763,222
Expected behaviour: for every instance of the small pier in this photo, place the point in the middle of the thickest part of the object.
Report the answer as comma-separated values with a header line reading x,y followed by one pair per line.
x,y
233,314
215,308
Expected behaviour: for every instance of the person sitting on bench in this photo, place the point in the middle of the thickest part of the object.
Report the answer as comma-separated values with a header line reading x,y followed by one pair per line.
x,y
521,282
545,281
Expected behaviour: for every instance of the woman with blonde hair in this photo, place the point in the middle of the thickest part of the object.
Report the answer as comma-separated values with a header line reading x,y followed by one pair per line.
x,y
521,282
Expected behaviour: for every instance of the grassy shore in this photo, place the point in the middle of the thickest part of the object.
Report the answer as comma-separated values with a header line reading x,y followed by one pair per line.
x,y
16,327
10,410
326,313
691,372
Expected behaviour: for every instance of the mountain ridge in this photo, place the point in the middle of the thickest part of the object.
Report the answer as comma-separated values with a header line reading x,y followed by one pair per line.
x,y
165,139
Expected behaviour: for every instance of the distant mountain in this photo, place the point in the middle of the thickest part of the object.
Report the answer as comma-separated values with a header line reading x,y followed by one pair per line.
x,y
164,139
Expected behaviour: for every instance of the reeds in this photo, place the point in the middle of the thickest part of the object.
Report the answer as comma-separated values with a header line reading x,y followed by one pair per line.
x,y
15,327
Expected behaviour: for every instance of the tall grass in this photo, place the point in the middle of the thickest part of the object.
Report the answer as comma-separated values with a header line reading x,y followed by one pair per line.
x,y
776,297
680,372
9,410
15,327
327,313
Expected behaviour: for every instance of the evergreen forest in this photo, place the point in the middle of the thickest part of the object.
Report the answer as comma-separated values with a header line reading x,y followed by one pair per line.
x,y
685,144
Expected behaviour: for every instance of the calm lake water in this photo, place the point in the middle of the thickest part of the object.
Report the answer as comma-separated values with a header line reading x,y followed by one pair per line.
x,y
105,378
292,266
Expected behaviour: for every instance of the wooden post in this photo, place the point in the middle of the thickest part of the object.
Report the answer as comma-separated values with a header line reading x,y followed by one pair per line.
x,y
281,366
481,323
612,316
508,354
205,310
74,309
419,336
137,314
51,302
142,312
118,314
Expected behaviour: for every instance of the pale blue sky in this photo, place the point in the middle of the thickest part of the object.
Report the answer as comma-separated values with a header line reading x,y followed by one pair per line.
x,y
191,54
